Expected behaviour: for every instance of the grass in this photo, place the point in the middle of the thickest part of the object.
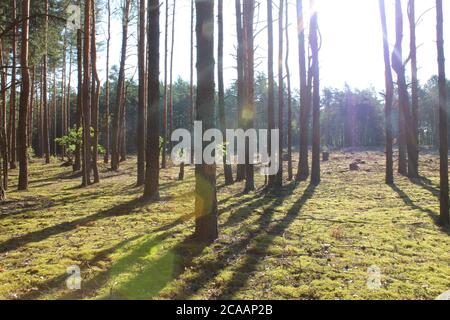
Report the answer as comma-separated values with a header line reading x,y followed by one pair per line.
x,y
304,243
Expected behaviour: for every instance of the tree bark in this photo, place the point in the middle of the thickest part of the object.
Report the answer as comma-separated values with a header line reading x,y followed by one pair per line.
x,y
45,109
205,175
170,124
12,97
240,175
95,96
191,87
413,168
3,133
270,88
226,167
151,189
164,133
444,216
79,113
86,154
305,104
288,79
120,100
279,180
388,97
108,40
315,168
140,136
249,90
24,100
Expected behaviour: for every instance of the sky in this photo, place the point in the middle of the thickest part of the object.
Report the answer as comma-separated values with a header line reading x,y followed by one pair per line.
x,y
351,52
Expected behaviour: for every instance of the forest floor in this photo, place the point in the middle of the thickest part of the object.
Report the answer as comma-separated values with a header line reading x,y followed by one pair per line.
x,y
305,242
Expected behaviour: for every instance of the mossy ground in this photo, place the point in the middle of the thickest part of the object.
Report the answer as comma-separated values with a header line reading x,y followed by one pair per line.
x,y
303,243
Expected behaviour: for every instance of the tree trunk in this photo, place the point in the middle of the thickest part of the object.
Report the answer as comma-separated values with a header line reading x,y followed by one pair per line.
x,y
140,142
77,162
249,91
86,154
151,189
53,118
315,168
63,97
205,175
226,167
170,125
108,40
191,87
30,113
24,99
95,95
240,175
288,79
120,100
279,181
12,97
305,104
164,133
3,133
270,88
389,97
413,168
399,68
443,114
45,109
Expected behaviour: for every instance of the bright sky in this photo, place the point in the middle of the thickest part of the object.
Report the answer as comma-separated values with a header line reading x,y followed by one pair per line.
x,y
351,40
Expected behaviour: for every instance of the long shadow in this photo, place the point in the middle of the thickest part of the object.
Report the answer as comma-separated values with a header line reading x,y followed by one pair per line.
x,y
149,280
36,236
426,184
407,200
59,280
155,275
225,258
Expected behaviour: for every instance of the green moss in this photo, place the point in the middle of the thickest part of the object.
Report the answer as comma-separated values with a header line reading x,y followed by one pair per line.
x,y
303,243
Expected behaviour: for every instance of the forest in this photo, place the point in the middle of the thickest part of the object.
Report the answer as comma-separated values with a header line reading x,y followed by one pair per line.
x,y
97,200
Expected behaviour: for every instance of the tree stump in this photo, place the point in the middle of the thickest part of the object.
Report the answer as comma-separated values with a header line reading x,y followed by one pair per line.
x,y
181,174
354,166
325,156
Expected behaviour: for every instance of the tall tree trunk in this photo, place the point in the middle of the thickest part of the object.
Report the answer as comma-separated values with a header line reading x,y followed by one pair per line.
x,y
142,106
95,96
226,167
205,175
191,87
24,100
288,79
108,40
86,154
413,168
77,162
270,88
249,95
68,102
279,181
63,96
120,100
45,109
164,133
443,119
389,96
315,168
12,97
171,79
40,142
53,118
151,189
3,133
30,113
305,104
399,68
240,175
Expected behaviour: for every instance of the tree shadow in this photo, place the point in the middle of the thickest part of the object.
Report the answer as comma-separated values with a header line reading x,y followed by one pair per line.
x,y
244,245
426,184
409,202
39,235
